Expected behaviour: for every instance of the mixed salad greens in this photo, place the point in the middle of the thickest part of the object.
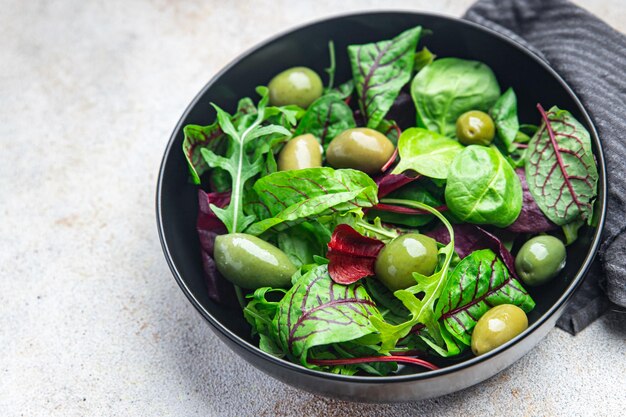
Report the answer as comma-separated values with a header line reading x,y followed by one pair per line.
x,y
372,223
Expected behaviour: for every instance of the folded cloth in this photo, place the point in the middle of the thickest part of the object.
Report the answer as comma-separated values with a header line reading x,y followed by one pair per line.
x,y
591,57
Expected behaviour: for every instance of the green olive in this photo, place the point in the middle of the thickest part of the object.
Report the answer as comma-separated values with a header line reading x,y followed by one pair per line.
x,y
298,85
497,326
475,128
540,259
250,262
404,255
359,148
301,152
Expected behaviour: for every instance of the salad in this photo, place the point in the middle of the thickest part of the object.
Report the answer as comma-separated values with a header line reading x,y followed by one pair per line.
x,y
396,218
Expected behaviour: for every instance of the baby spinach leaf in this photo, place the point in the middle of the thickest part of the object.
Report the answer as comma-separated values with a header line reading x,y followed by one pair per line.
x,y
292,197
238,164
504,115
317,311
427,153
483,188
325,118
480,281
449,87
561,171
380,70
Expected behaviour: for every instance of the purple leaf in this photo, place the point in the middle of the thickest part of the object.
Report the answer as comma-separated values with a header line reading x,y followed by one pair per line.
x,y
351,255
208,227
389,183
469,238
531,219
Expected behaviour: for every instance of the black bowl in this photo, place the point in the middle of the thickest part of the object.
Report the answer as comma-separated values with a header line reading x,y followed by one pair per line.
x,y
533,80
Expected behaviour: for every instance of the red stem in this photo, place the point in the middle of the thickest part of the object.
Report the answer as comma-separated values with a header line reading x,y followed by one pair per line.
x,y
521,145
390,161
367,359
405,210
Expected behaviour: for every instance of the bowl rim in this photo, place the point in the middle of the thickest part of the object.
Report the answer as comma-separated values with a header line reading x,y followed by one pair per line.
x,y
428,374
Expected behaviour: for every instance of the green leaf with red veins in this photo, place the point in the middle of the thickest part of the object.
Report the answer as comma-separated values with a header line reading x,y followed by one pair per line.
x,y
561,171
380,70
316,311
479,282
292,197
327,117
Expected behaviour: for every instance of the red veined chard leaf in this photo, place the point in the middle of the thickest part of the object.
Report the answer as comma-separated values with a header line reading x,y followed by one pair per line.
x,y
480,281
351,255
560,170
531,219
380,70
317,311
299,195
469,238
327,117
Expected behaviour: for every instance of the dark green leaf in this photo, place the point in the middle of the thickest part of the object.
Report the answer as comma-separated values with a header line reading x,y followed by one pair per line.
x,y
449,87
415,192
561,171
480,281
380,70
504,115
325,118
303,241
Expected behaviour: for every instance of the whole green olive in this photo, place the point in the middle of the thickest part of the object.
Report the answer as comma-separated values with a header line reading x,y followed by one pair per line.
x,y
298,85
540,259
301,152
360,148
250,262
475,128
404,255
497,326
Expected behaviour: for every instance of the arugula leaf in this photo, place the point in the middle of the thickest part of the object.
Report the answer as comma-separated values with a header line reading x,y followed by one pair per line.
x,y
327,117
480,281
316,311
449,87
210,137
427,153
260,313
292,197
504,115
421,309
238,164
380,70
561,171
483,188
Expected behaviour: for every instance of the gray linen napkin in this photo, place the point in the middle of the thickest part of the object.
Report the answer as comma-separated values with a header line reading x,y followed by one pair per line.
x,y
591,57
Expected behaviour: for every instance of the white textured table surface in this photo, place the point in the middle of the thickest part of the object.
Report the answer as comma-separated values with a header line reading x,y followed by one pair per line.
x,y
91,320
